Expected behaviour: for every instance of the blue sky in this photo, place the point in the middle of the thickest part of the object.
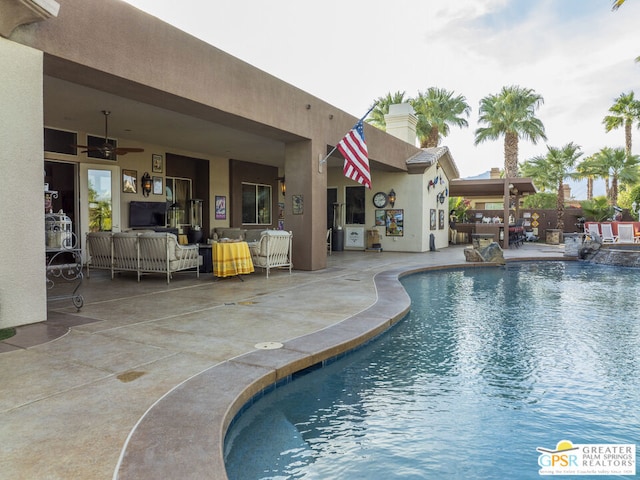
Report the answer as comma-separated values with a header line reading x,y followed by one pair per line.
x,y
577,54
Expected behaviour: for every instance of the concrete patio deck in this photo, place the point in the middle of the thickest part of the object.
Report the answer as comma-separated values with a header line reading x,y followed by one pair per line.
x,y
78,389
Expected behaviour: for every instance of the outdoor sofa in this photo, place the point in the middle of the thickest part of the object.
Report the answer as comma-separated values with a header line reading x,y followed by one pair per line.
x,y
140,252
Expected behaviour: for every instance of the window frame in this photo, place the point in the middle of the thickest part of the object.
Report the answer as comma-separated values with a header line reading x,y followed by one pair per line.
x,y
266,203
352,210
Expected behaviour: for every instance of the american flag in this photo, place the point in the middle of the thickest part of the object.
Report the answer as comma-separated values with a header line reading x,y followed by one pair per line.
x,y
356,158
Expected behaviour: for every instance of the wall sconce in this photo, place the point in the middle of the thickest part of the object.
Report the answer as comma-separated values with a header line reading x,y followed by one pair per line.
x,y
392,198
441,197
283,185
146,184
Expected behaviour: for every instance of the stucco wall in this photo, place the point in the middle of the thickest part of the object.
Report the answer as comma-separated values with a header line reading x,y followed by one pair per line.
x,y
21,187
412,196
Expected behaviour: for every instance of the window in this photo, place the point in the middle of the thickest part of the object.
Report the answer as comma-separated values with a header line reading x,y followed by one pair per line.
x,y
178,192
100,203
354,197
256,204
60,141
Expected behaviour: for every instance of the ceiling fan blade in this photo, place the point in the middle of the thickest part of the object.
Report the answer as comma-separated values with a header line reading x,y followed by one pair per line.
x,y
108,149
125,150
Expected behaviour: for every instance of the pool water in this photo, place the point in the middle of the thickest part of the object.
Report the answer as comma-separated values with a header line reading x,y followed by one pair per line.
x,y
489,365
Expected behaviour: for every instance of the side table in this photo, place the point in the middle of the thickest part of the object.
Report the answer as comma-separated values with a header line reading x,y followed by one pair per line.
x,y
204,250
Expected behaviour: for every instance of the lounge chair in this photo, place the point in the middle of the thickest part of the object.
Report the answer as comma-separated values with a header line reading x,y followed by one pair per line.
x,y
625,233
593,231
607,234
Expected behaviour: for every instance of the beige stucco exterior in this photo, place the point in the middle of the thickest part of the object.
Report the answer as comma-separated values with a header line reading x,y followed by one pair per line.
x,y
22,283
109,49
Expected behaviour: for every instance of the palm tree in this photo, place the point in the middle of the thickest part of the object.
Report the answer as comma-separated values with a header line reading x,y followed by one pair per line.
x,y
625,111
597,209
376,117
436,110
590,170
551,170
622,169
510,113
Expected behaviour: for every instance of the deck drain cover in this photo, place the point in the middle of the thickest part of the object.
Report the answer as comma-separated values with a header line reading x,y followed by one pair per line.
x,y
268,345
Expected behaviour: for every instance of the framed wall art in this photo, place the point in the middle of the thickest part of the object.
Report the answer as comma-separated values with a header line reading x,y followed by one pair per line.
x,y
380,218
129,181
432,219
156,163
394,223
441,219
221,207
298,205
354,237
158,185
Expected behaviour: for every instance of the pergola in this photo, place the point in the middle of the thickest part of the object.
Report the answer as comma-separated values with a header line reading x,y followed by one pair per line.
x,y
494,187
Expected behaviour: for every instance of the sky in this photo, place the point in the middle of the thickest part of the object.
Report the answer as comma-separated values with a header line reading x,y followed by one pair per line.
x,y
577,54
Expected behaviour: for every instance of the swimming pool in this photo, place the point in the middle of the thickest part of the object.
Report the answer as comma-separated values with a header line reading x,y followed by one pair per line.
x,y
489,365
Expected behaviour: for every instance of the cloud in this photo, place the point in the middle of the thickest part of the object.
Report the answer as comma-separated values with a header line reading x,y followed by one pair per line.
x,y
576,53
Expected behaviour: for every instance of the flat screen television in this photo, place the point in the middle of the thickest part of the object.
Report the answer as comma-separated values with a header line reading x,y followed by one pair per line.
x,y
147,214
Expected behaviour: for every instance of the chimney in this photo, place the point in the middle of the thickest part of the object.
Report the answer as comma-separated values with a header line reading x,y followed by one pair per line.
x,y
495,172
401,122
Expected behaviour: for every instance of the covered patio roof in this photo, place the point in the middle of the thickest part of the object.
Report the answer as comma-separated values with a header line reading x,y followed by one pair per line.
x,y
494,187
490,187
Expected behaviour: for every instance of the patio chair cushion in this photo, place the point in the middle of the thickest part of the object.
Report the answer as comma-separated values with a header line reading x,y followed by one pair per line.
x,y
149,252
253,235
272,250
231,233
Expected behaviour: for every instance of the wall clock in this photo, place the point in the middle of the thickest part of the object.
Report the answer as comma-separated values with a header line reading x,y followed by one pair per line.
x,y
380,200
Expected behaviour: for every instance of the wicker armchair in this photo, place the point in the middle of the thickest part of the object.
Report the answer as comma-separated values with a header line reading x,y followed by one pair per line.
x,y
273,250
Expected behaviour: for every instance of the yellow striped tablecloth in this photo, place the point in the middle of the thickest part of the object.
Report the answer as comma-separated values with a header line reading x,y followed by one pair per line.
x,y
230,259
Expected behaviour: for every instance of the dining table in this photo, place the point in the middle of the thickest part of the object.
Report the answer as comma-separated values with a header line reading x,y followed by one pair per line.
x,y
231,259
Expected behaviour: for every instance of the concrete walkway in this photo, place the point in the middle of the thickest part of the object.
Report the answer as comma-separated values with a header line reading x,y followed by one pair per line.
x,y
78,389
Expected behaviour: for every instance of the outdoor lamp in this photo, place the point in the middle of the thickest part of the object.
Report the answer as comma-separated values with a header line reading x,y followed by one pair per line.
x,y
392,198
283,185
146,184
441,197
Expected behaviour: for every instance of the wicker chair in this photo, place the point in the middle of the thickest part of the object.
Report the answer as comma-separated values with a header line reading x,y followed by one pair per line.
x,y
161,253
272,250
99,251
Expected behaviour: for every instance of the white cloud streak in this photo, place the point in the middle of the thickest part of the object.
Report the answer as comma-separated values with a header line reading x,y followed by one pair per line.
x,y
577,54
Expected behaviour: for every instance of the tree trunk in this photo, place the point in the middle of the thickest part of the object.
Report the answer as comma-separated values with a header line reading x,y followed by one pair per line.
x,y
432,139
589,188
560,207
614,190
627,136
511,154
607,189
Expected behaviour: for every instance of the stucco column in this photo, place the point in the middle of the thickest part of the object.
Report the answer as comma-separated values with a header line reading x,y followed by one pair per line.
x,y
23,296
308,223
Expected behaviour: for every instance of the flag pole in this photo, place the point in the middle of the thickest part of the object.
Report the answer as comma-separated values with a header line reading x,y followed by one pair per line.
x,y
324,160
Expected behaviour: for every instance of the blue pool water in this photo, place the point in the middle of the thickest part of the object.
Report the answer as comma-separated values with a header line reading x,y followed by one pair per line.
x,y
489,365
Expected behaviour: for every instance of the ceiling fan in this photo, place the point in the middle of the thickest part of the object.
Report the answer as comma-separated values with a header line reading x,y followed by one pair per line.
x,y
107,149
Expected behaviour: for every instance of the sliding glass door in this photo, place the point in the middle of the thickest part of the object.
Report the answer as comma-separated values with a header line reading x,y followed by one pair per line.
x,y
99,198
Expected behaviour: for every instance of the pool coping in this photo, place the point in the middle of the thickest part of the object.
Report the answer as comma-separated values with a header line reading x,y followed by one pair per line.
x,y
182,434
